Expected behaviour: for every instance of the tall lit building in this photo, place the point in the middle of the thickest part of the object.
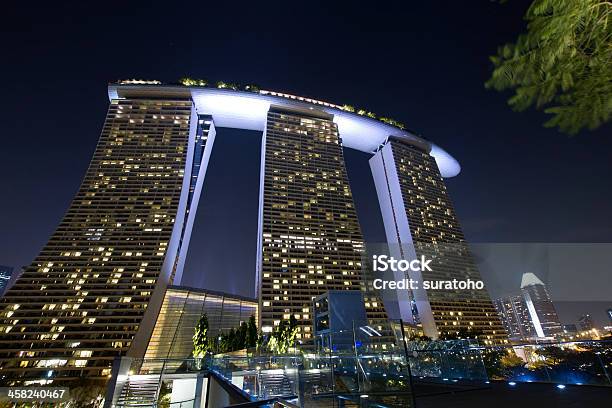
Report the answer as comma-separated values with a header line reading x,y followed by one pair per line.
x,y
530,314
541,308
310,240
5,276
82,300
420,220
96,290
515,317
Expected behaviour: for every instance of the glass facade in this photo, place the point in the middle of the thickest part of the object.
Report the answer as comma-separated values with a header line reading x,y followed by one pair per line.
x,y
180,313
5,276
531,313
515,317
543,314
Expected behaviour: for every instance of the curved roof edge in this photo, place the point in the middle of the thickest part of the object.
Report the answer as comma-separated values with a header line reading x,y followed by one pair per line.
x,y
248,110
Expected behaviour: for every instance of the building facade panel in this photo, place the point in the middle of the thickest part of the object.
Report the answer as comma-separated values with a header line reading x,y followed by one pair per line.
x,y
515,317
180,313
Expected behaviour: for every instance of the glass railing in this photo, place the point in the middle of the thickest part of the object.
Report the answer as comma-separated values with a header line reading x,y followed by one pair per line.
x,y
457,361
181,404
261,377
324,380
366,365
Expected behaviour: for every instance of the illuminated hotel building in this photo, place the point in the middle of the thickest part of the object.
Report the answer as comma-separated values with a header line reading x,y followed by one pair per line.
x,y
310,237
82,300
96,289
419,221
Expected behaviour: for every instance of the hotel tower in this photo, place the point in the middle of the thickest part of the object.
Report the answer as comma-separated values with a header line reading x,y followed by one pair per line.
x,y
310,240
420,220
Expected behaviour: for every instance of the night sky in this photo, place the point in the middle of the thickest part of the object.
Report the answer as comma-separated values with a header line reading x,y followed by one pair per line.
x,y
422,64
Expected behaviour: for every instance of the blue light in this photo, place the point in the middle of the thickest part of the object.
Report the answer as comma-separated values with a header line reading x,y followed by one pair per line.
x,y
560,386
512,383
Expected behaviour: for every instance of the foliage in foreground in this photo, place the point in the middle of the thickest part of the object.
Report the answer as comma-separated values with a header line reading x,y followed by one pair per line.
x,y
283,337
562,64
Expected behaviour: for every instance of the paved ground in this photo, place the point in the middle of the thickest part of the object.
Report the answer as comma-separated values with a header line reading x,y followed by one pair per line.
x,y
522,395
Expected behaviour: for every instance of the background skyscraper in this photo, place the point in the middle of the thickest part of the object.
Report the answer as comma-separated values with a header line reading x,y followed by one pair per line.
x,y
5,276
531,314
515,317
541,308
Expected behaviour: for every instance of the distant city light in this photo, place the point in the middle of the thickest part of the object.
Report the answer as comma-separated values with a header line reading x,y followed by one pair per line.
x,y
560,386
512,383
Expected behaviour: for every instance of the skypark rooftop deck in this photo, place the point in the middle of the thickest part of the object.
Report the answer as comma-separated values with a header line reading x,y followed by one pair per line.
x,y
248,110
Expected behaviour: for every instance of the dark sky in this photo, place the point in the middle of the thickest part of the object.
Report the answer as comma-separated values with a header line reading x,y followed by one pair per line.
x,y
422,63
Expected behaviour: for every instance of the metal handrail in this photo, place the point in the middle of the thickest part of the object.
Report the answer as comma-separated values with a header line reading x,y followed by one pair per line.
x,y
156,404
277,401
173,404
